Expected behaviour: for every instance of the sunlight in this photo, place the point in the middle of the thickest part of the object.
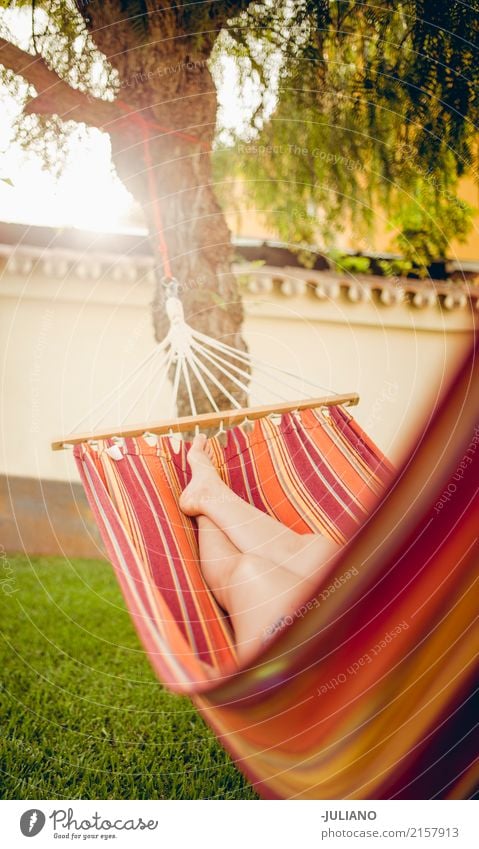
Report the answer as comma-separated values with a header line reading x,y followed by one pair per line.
x,y
89,195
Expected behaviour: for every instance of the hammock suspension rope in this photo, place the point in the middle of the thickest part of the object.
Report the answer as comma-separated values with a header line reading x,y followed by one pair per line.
x,y
190,353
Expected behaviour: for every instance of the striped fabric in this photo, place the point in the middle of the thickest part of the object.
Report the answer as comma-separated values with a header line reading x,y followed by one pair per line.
x,y
368,693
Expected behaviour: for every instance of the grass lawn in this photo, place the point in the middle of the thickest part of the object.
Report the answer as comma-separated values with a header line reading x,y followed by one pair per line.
x,y
82,715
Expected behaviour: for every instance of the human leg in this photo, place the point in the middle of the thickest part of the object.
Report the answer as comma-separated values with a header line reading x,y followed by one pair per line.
x,y
218,558
260,599
257,594
249,529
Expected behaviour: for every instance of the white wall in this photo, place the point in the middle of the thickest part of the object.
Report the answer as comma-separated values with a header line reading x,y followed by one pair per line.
x,y
66,342
397,358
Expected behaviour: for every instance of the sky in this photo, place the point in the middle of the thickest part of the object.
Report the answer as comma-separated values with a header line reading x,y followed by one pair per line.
x,y
36,197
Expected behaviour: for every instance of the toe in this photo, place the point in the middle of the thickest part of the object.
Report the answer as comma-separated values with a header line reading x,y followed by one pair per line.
x,y
196,444
199,441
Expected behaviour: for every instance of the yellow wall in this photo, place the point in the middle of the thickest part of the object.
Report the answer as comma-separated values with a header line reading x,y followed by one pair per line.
x,y
469,191
247,222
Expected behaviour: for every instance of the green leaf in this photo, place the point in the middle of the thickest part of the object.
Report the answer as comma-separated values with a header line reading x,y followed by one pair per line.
x,y
137,11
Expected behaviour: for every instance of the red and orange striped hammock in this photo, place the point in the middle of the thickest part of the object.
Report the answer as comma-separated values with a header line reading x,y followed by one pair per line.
x,y
369,690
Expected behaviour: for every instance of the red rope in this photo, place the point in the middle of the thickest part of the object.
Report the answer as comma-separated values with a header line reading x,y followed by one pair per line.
x,y
158,218
146,126
135,115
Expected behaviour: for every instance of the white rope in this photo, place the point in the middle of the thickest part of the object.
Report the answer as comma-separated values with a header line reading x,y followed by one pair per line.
x,y
216,382
251,377
164,377
190,351
202,383
257,363
246,357
242,355
186,378
145,387
214,358
225,372
114,392
176,382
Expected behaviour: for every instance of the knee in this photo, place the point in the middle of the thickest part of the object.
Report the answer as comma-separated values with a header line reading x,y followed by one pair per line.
x,y
250,566
242,583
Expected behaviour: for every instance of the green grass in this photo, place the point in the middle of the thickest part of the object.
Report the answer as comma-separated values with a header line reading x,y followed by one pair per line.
x,y
82,715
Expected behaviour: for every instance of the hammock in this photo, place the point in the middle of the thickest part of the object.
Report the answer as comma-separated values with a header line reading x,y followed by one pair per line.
x,y
368,691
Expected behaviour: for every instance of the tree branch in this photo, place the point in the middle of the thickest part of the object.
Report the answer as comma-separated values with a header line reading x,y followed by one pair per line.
x,y
55,96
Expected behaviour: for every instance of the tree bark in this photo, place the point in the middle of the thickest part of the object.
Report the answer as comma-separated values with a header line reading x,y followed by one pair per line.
x,y
177,187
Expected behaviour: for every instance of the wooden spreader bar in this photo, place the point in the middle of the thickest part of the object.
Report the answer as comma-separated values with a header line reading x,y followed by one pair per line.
x,y
206,420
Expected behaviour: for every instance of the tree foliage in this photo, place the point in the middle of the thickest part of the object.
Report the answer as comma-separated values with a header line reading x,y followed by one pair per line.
x,y
376,118
375,113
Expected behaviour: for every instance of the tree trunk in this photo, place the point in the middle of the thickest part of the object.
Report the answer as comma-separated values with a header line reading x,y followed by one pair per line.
x,y
167,86
198,243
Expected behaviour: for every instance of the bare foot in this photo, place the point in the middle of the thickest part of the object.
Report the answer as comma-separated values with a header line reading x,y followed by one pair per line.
x,y
204,478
